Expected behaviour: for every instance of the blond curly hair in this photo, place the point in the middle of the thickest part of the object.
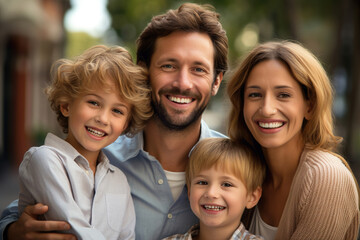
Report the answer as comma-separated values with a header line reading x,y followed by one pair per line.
x,y
92,69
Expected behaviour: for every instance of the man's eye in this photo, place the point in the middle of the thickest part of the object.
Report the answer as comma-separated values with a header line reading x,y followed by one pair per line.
x,y
167,67
199,69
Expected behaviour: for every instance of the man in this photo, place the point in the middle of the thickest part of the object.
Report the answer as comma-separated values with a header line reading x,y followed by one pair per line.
x,y
185,51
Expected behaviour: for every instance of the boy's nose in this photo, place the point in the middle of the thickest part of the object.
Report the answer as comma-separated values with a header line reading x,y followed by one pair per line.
x,y
102,118
212,192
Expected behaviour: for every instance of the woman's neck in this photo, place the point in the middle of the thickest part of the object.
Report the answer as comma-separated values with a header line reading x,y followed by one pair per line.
x,y
282,162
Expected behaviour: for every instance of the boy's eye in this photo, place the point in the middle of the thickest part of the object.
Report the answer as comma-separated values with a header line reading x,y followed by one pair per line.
x,y
117,111
201,182
93,103
227,184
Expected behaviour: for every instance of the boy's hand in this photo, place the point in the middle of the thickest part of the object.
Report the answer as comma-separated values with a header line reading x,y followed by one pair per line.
x,y
28,227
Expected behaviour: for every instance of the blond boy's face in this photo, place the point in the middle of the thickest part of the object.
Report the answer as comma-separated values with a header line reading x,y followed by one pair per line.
x,y
218,199
96,119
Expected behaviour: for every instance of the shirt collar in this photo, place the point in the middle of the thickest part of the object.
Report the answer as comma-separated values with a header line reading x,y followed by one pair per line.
x,y
67,149
128,148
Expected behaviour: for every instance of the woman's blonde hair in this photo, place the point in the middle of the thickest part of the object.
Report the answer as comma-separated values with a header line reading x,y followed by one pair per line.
x,y
93,69
233,158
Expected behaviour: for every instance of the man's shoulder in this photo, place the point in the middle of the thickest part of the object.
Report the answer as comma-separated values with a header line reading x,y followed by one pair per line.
x,y
124,148
207,132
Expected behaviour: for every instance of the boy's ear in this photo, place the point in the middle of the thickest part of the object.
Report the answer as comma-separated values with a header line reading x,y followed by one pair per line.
x,y
253,198
64,108
216,84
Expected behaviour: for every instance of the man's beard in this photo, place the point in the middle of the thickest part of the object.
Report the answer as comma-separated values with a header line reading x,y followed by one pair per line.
x,y
176,124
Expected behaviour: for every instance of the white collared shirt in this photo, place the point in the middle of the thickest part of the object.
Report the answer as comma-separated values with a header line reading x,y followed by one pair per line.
x,y
96,206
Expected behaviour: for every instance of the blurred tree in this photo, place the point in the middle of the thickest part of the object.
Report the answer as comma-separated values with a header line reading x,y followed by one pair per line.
x,y
77,42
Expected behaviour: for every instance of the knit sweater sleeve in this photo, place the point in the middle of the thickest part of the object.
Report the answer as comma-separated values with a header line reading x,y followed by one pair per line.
x,y
327,202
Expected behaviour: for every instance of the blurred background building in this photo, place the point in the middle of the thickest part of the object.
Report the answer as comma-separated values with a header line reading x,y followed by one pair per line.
x,y
32,36
34,33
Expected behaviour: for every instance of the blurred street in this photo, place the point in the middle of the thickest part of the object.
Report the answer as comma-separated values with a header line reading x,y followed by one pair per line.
x,y
9,187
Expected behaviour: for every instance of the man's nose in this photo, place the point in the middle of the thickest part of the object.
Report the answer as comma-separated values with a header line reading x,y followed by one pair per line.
x,y
184,79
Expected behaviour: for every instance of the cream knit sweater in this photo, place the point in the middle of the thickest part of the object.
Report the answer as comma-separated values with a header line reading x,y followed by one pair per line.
x,y
323,202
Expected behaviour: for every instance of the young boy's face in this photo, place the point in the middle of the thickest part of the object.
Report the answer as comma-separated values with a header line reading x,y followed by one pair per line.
x,y
218,198
96,119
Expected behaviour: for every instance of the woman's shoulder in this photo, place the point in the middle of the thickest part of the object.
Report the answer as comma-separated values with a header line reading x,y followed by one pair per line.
x,y
319,163
324,173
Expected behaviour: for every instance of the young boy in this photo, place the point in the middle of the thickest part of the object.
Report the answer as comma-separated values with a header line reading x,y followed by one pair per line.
x,y
97,97
223,179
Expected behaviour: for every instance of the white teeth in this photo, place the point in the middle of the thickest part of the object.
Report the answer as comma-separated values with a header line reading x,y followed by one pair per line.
x,y
212,207
180,100
95,132
271,125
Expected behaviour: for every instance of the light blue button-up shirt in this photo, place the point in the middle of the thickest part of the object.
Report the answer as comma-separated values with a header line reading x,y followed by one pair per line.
x,y
96,206
157,214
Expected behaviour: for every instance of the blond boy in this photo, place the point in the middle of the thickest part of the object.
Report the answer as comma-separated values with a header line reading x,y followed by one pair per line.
x,y
223,179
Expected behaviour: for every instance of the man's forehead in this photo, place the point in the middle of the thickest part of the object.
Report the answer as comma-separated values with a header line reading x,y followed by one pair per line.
x,y
193,46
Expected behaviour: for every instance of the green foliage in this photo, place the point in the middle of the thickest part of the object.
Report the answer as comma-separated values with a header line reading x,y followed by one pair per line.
x,y
77,42
306,21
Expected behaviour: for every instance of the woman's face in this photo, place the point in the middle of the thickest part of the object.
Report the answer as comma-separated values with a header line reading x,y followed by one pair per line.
x,y
274,105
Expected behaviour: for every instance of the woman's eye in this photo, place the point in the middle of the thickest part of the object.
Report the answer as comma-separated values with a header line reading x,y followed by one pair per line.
x,y
284,95
254,95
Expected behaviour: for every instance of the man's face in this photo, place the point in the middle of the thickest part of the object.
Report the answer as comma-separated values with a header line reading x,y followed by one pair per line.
x,y
182,78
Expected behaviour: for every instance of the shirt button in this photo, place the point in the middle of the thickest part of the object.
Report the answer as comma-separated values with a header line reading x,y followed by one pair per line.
x,y
160,181
170,215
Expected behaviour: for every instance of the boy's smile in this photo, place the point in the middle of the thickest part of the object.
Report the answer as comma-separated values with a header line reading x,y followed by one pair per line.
x,y
217,198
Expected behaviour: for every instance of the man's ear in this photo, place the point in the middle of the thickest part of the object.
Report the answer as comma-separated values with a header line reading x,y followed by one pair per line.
x,y
253,198
216,84
64,108
142,64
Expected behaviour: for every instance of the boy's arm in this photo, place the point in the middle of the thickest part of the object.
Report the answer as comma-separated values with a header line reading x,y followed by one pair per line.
x,y
28,227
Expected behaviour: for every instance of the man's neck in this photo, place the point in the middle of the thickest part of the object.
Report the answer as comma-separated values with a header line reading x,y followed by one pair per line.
x,y
170,147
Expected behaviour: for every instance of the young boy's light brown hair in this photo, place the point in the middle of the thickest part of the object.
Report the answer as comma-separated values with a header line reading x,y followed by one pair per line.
x,y
234,158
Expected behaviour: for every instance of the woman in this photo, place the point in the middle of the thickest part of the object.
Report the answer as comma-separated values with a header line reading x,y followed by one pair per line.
x,y
281,104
